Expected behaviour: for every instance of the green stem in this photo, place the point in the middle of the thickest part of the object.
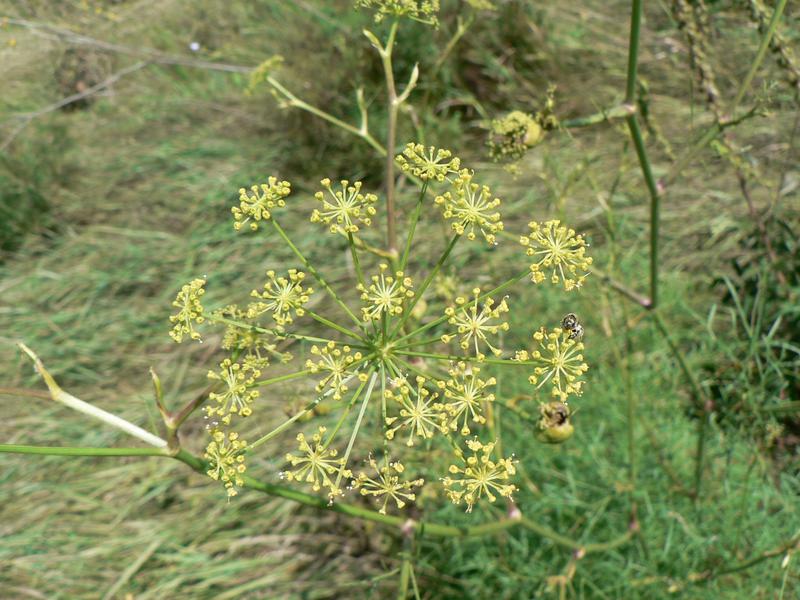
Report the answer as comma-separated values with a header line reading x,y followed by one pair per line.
x,y
418,294
354,254
76,451
282,427
391,139
302,105
280,378
328,323
413,226
433,529
346,412
633,51
357,426
315,273
655,201
454,357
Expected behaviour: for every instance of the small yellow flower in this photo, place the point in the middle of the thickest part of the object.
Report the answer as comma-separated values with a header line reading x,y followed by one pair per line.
x,y
421,414
470,206
282,296
344,209
257,205
560,362
423,11
387,485
385,295
479,476
465,393
338,366
226,459
557,251
475,322
316,464
431,165
191,311
237,394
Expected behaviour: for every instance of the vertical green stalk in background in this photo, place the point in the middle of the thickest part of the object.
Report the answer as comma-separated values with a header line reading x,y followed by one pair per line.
x,y
391,141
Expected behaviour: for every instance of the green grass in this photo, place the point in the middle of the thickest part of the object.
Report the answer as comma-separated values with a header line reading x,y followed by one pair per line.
x,y
115,206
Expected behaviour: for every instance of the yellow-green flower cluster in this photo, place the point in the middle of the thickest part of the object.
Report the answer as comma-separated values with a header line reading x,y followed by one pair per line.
x,y
315,464
191,311
470,206
478,475
388,485
257,204
558,253
237,392
385,295
465,393
475,322
419,412
283,296
226,459
429,165
344,209
424,11
337,365
513,135
560,362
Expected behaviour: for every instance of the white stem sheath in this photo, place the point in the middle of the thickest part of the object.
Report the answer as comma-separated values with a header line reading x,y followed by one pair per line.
x,y
79,405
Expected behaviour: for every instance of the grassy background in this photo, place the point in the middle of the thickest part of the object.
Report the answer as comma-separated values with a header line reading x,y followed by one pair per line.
x,y
106,209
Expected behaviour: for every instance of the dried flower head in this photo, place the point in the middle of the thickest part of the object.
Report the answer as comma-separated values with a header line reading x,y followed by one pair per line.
x,y
431,165
557,250
191,311
282,296
560,362
479,476
237,392
424,11
387,486
475,322
344,209
470,206
338,366
315,464
465,393
419,412
554,423
257,205
226,459
385,295
513,135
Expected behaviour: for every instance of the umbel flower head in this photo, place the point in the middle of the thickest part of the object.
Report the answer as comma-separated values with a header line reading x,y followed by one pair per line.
x,y
475,322
419,412
226,459
257,205
424,11
558,253
385,295
344,209
315,464
337,365
560,362
513,135
470,206
236,395
465,393
282,296
191,311
478,475
431,165
388,485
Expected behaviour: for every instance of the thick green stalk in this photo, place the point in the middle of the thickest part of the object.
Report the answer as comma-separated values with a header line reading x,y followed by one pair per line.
x,y
281,378
391,140
356,428
78,451
328,323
